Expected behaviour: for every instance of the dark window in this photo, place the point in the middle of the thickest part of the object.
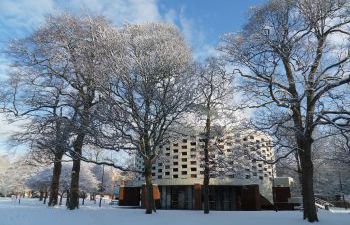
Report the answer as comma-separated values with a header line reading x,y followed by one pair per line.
x,y
175,176
193,143
193,175
160,170
176,150
153,174
184,166
175,169
167,173
175,144
160,177
193,169
184,159
153,167
247,176
184,147
160,164
167,167
184,172
184,140
184,153
176,163
167,154
193,162
175,157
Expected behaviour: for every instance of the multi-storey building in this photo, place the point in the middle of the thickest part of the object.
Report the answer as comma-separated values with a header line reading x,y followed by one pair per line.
x,y
234,156
241,177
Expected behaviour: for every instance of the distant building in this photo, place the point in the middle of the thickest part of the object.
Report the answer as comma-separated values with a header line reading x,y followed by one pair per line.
x,y
240,180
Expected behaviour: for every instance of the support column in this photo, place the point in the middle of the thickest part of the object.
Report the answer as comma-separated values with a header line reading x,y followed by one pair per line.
x,y
197,196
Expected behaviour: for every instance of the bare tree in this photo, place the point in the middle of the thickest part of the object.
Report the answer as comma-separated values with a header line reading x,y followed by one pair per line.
x,y
147,91
66,51
289,58
214,88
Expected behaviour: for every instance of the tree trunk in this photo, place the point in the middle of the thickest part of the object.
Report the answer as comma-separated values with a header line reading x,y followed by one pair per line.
x,y
74,185
149,187
61,197
310,211
55,182
206,163
45,197
41,195
67,199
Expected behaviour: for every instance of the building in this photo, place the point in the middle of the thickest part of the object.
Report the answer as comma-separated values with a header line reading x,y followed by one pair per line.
x,y
240,179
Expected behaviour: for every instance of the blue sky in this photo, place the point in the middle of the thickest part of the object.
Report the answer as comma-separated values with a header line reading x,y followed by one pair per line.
x,y
201,21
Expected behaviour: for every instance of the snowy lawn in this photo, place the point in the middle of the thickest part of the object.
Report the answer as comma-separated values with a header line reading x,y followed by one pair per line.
x,y
32,212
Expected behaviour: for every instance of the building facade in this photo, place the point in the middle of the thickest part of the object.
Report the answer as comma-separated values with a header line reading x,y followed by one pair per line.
x,y
240,177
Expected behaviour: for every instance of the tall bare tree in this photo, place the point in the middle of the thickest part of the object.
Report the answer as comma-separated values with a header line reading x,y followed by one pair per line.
x,y
214,91
67,50
293,56
147,91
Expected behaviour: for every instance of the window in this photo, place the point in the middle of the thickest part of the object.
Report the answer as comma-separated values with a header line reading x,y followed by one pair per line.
x,y
167,167
184,147
175,169
160,164
255,174
160,170
193,169
184,166
176,150
251,137
153,167
167,154
184,140
194,175
175,163
184,159
193,143
193,162
167,173
175,157
193,149
153,174
184,153
160,177
261,178
175,144
247,176
184,172
175,176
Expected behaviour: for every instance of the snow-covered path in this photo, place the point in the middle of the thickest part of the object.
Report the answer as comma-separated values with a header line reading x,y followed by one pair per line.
x,y
31,212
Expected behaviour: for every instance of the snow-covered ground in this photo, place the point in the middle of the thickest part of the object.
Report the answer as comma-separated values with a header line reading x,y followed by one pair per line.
x,y
33,212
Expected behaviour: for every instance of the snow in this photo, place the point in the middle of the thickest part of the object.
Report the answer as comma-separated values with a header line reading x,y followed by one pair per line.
x,y
33,212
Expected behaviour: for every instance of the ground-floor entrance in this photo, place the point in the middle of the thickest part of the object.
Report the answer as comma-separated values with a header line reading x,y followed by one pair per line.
x,y
221,197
